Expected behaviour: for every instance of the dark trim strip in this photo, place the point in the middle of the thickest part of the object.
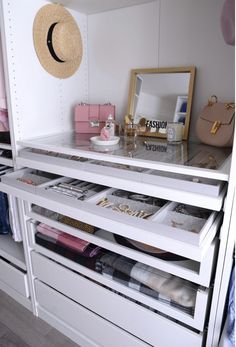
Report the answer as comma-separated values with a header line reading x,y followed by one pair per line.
x,y
50,46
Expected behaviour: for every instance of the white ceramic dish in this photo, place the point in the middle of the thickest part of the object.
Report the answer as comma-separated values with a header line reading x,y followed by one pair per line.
x,y
96,140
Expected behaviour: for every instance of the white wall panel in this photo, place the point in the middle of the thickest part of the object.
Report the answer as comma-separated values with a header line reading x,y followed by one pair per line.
x,y
190,34
119,41
40,103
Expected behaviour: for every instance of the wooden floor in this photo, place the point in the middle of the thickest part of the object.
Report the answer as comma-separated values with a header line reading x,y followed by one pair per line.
x,y
20,328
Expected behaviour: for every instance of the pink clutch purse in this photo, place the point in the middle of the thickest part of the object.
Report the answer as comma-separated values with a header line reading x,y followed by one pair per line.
x,y
91,119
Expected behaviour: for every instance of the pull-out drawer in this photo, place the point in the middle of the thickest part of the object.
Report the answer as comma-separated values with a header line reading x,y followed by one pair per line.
x,y
179,221
30,180
203,192
14,278
115,308
153,231
186,183
51,273
81,325
197,272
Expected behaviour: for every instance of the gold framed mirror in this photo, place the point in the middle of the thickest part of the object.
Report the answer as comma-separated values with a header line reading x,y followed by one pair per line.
x,y
158,96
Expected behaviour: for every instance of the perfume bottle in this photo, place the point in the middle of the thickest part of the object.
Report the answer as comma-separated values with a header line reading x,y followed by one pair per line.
x,y
130,131
111,125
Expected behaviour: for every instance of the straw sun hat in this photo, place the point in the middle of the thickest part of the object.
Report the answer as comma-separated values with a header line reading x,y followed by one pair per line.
x,y
57,41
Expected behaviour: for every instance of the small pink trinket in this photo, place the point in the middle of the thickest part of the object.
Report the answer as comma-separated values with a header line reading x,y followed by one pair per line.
x,y
105,134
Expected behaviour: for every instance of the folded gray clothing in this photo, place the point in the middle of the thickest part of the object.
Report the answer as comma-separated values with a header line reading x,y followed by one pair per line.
x,y
127,281
172,287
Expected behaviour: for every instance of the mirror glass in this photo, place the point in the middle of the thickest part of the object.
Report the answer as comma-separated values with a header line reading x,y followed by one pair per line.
x,y
159,96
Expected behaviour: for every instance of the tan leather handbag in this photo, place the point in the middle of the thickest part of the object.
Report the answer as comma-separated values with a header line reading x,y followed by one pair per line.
x,y
215,126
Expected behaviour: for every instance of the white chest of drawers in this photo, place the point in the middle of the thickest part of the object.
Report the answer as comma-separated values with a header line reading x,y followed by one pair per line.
x,y
74,298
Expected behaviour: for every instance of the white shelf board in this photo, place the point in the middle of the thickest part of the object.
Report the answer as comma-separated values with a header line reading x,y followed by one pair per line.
x,y
6,161
95,6
5,146
67,143
12,251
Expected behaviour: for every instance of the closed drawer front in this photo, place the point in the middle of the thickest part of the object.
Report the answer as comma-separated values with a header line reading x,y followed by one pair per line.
x,y
14,278
88,329
110,305
105,334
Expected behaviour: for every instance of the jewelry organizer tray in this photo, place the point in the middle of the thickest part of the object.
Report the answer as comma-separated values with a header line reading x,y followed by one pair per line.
x,y
131,204
29,179
178,221
184,182
160,178
181,218
136,212
69,188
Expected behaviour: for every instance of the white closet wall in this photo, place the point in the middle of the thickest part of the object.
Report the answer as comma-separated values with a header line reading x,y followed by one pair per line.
x,y
118,42
190,34
40,103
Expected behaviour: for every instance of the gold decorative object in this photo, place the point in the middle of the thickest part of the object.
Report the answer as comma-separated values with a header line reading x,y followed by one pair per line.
x,y
78,224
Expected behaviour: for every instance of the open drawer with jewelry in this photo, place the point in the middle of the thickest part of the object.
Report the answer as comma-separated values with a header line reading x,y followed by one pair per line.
x,y
72,189
129,203
29,179
184,218
150,287
184,184
177,221
194,184
139,217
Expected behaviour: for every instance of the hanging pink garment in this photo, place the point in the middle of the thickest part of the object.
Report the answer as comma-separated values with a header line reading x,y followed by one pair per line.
x,y
3,103
228,22
4,126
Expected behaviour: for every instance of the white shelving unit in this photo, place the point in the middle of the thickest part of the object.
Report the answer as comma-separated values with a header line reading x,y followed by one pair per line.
x,y
69,295
12,251
4,160
5,146
199,267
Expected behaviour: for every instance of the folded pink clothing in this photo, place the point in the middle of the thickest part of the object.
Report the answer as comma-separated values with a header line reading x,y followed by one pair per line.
x,y
67,240
73,242
49,231
3,101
